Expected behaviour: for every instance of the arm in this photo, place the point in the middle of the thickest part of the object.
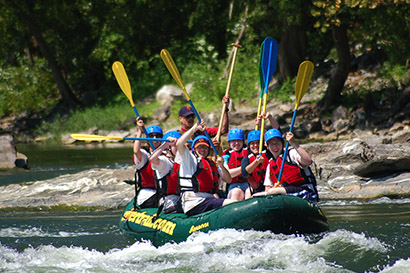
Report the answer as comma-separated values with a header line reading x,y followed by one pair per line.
x,y
154,158
184,138
234,172
272,120
137,143
305,159
269,116
251,167
225,174
225,121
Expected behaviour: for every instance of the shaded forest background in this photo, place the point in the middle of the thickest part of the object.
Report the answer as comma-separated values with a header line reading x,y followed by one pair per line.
x,y
57,55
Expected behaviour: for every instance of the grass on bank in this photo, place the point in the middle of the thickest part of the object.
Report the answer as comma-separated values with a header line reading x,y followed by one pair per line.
x,y
20,91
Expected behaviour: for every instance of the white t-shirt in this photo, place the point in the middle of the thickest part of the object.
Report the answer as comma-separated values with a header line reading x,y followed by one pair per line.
x,y
188,166
164,167
294,158
143,194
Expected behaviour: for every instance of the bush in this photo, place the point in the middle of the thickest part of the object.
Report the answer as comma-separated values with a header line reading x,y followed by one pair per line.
x,y
27,87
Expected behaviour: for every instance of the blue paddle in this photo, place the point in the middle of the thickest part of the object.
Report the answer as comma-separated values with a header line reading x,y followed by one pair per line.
x,y
269,57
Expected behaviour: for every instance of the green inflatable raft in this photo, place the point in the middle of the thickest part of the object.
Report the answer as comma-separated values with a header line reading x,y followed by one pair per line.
x,y
277,213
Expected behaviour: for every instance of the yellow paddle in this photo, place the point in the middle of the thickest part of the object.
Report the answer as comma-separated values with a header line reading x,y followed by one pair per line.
x,y
124,83
302,83
173,70
85,137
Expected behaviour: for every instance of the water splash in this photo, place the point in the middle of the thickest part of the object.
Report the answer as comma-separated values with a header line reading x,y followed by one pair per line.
x,y
219,251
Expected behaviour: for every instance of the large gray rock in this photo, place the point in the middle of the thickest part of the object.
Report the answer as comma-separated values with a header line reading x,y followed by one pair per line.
x,y
8,153
95,187
167,94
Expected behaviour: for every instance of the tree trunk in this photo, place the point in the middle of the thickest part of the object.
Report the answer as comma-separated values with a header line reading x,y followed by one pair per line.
x,y
339,74
292,51
67,95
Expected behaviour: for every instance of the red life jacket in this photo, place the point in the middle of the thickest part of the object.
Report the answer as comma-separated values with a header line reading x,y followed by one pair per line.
x,y
258,175
145,176
205,179
291,174
235,159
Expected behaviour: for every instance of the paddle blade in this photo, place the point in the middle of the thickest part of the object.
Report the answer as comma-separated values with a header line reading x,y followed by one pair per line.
x,y
122,79
269,58
303,80
86,137
173,70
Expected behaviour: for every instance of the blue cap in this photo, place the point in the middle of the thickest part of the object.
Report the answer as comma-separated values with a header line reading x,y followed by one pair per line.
x,y
186,111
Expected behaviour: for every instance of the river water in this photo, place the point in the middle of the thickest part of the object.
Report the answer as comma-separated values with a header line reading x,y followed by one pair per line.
x,y
364,236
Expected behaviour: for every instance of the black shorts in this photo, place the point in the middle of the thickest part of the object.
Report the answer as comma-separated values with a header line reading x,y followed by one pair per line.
x,y
151,202
206,205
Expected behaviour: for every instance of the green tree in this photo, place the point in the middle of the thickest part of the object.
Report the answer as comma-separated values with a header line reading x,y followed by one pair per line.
x,y
372,24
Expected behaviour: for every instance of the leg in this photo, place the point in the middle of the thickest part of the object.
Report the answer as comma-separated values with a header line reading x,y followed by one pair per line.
x,y
236,194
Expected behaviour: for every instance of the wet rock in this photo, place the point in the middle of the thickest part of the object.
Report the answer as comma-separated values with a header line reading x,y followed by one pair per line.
x,y
97,187
21,161
355,187
383,167
9,157
8,152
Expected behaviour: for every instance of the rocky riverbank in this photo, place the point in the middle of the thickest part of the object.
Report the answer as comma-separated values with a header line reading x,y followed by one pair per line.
x,y
362,169
358,154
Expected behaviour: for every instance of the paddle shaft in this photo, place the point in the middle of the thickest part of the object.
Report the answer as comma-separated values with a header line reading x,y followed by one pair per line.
x,y
173,70
228,87
262,84
124,83
285,153
270,69
302,83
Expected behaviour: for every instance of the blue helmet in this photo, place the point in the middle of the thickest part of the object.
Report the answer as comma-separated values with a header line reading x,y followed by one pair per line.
x,y
200,140
273,133
154,129
254,135
174,134
236,134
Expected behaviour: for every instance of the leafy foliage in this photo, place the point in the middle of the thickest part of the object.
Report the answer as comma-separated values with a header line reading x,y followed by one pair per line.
x,y
86,37
26,87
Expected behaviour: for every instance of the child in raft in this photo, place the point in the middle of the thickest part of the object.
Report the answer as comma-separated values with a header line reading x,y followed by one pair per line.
x,y
167,183
199,177
253,167
293,180
146,194
233,157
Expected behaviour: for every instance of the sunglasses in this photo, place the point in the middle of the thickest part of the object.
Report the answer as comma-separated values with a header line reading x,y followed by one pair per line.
x,y
190,116
155,135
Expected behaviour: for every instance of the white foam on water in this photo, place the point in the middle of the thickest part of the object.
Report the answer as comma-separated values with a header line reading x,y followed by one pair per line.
x,y
382,200
14,232
218,251
400,266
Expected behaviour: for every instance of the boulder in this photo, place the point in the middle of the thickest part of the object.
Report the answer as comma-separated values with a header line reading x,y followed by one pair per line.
x,y
8,153
166,95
